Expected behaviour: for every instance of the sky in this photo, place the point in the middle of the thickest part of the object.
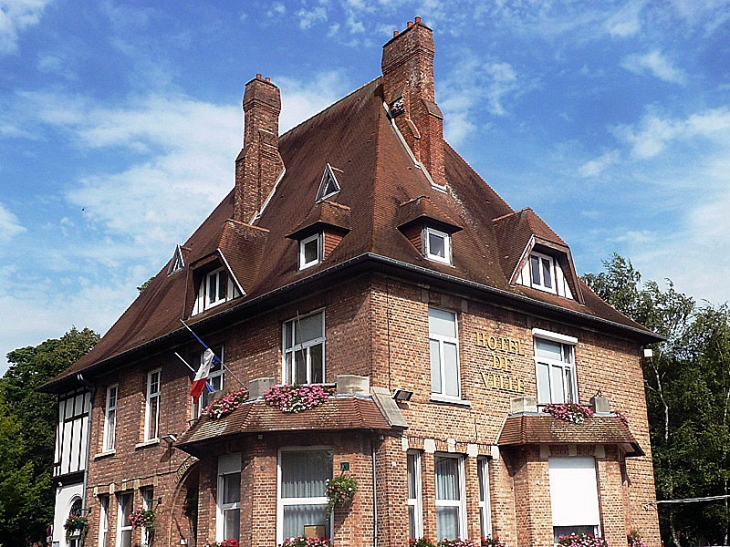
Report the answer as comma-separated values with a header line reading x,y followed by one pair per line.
x,y
120,122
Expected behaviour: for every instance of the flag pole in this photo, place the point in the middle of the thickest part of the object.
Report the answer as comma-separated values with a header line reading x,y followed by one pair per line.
x,y
206,347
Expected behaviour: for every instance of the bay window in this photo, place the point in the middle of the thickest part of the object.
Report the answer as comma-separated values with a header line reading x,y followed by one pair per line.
x,y
303,476
574,496
228,502
450,500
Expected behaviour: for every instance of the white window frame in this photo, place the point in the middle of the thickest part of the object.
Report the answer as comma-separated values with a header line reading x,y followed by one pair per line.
x,y
460,504
572,495
539,283
289,353
415,502
568,368
319,239
122,522
283,502
148,495
209,277
228,465
442,341
485,502
110,418
103,520
152,401
216,378
427,233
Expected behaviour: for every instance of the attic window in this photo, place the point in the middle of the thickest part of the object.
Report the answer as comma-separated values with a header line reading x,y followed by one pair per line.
x,y
310,251
543,272
215,288
176,262
329,185
437,245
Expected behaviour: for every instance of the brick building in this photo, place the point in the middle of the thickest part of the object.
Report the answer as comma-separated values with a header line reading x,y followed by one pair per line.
x,y
360,251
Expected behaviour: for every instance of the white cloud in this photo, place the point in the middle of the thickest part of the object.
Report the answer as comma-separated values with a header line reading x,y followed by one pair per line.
x,y
9,225
300,99
655,133
627,21
308,17
596,167
656,64
15,17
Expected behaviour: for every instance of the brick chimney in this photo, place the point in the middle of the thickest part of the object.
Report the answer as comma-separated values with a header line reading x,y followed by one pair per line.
x,y
408,89
259,164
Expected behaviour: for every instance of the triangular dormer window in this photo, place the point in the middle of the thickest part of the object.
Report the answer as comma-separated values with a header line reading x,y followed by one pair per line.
x,y
544,272
329,185
177,262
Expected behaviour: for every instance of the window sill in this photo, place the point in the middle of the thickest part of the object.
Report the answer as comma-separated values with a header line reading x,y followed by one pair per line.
x,y
151,442
436,398
105,454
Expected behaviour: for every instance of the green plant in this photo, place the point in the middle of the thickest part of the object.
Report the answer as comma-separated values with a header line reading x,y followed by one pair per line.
x,y
75,524
421,542
340,491
141,518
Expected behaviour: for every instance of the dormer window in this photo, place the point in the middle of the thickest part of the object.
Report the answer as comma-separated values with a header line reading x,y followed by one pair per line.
x,y
215,287
310,251
542,272
437,245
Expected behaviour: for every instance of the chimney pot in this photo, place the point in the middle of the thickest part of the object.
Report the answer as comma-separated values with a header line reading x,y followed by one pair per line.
x,y
418,20
395,33
410,24
267,79
258,75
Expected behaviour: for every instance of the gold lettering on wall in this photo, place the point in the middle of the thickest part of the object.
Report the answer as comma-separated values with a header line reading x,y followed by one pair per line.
x,y
500,377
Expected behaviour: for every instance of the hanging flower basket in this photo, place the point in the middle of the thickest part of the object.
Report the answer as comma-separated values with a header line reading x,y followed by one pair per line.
x,y
569,412
76,526
340,492
142,519
634,540
292,398
582,540
226,404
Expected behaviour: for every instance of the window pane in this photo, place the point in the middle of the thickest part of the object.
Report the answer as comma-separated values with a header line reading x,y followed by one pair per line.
x,y
451,370
435,367
547,276
447,479
125,538
125,507
310,328
304,474
436,245
568,376
411,522
442,323
548,350
317,364
447,522
535,269
231,523
558,391
412,476
480,477
212,287
152,424
296,517
543,383
288,340
288,372
311,251
231,488
222,285
300,367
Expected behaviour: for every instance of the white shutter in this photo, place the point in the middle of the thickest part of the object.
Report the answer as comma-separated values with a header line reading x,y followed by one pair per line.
x,y
574,491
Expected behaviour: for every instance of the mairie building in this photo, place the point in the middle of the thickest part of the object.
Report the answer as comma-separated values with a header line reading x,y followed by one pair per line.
x,y
426,326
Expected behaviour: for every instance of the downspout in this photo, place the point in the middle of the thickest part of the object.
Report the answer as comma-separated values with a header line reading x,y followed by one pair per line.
x,y
375,498
92,392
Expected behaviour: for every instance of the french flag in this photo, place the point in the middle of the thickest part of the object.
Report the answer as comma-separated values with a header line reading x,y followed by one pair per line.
x,y
201,377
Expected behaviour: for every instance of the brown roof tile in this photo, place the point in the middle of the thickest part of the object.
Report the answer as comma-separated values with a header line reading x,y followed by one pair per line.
x,y
527,429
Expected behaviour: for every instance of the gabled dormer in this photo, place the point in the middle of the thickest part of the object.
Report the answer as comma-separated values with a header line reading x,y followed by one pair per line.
x,y
320,233
329,186
177,262
533,255
214,282
428,229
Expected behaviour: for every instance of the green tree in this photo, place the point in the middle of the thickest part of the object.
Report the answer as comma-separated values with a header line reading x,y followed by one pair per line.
x,y
27,431
687,383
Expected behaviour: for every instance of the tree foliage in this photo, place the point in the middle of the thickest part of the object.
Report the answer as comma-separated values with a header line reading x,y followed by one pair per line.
x,y
687,385
27,431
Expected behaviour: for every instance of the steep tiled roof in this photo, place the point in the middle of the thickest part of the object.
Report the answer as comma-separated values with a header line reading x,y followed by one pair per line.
x,y
377,176
337,414
524,429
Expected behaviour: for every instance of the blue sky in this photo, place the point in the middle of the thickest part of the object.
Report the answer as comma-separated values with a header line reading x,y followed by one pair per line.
x,y
120,122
